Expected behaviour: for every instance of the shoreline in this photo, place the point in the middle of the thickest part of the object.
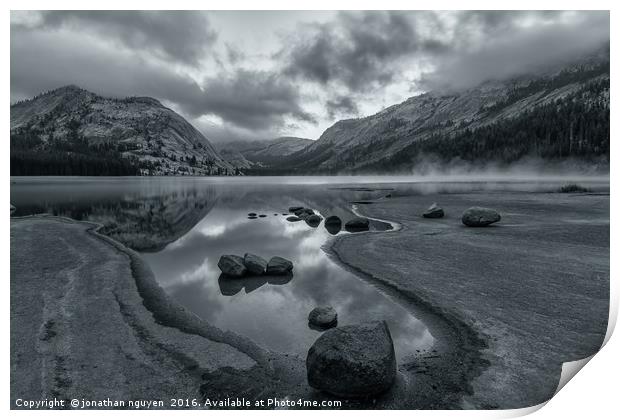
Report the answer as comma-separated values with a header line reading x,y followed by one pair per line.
x,y
501,290
470,354
458,358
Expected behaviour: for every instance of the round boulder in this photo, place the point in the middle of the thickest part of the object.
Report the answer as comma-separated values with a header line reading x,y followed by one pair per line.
x,y
480,216
232,265
279,266
323,318
254,264
354,361
313,220
333,224
433,212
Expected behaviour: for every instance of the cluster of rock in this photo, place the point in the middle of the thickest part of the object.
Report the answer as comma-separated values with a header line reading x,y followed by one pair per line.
x,y
472,217
354,361
250,264
333,224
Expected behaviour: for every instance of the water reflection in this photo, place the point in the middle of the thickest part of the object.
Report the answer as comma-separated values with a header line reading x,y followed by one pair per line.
x,y
186,224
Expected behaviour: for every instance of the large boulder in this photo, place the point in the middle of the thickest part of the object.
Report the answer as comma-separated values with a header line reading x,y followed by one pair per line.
x,y
232,265
357,224
313,220
433,212
323,318
480,216
354,361
279,266
333,224
254,264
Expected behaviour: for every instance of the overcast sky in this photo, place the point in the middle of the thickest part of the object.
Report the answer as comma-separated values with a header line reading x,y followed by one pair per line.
x,y
256,75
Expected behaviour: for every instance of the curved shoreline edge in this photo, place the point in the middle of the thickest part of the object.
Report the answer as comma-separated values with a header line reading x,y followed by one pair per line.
x,y
458,344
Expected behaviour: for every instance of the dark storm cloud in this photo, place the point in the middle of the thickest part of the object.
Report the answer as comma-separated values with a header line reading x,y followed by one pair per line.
x,y
359,50
179,35
505,48
252,99
365,51
341,106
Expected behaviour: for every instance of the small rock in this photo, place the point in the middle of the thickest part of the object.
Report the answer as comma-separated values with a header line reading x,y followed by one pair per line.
x,y
232,265
293,219
313,220
252,217
262,215
251,214
357,224
13,208
323,317
294,209
254,264
433,212
354,361
480,216
279,266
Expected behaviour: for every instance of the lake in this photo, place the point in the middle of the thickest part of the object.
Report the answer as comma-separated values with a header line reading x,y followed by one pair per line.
x,y
181,226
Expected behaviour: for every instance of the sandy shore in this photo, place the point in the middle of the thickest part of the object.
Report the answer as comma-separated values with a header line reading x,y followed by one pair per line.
x,y
506,304
518,299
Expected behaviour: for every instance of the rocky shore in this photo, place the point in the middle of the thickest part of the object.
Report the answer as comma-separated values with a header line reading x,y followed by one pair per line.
x,y
506,304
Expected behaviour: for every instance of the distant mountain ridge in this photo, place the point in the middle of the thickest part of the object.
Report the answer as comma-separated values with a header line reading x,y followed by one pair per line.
x,y
70,130
556,115
248,154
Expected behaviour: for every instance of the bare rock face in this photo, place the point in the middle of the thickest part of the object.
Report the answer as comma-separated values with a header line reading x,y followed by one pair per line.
x,y
279,266
357,224
232,265
433,212
323,317
254,264
480,216
354,361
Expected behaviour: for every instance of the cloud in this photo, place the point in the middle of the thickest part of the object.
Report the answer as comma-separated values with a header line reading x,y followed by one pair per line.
x,y
507,46
252,99
184,36
359,50
341,106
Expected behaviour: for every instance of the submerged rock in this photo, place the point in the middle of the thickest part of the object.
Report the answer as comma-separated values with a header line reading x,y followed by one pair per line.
x,y
433,212
323,317
357,224
313,220
279,266
232,265
480,216
333,224
254,264
353,361
293,219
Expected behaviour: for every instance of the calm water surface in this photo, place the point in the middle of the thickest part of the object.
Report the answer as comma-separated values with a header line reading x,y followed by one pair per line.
x,y
182,226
